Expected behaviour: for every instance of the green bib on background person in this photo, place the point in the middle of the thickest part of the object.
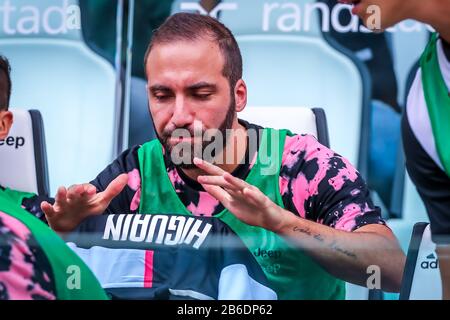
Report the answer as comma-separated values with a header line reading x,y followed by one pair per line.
x,y
437,98
15,196
65,264
291,273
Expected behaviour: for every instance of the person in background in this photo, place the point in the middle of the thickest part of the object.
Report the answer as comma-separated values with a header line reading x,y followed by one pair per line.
x,y
426,122
35,263
373,50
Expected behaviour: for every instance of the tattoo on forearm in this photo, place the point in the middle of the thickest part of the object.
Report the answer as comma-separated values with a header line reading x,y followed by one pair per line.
x,y
349,254
321,239
303,230
308,232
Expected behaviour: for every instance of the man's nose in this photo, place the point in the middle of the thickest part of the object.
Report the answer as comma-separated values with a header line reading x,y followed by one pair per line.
x,y
183,113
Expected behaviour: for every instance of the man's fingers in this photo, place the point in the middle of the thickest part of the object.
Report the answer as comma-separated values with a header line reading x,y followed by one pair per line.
x,y
238,183
236,194
75,192
115,187
208,167
255,196
216,171
217,192
89,189
216,181
61,197
85,189
48,210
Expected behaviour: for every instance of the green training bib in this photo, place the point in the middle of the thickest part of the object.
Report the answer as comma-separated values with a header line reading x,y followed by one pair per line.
x,y
63,261
437,98
291,273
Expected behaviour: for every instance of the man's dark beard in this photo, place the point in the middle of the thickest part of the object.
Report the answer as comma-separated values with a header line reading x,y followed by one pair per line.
x,y
226,125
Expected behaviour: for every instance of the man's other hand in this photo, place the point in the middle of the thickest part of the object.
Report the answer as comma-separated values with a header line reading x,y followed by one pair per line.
x,y
75,204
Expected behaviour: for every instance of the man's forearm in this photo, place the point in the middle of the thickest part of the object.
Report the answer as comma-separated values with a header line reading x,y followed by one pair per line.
x,y
443,252
347,255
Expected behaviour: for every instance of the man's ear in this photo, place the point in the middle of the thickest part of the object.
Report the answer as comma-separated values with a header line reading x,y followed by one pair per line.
x,y
6,121
240,95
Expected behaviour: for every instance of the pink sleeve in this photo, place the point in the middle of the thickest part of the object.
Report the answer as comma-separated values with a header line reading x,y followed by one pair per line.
x,y
324,187
24,273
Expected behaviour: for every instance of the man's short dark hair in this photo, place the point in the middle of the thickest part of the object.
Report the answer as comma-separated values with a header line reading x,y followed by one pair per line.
x,y
5,69
193,26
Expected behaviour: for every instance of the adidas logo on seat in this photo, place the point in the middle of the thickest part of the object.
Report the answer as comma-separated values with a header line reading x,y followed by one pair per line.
x,y
433,264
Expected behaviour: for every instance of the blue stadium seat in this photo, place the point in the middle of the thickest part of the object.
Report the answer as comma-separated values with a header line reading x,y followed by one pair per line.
x,y
407,49
317,77
141,123
74,89
413,211
421,279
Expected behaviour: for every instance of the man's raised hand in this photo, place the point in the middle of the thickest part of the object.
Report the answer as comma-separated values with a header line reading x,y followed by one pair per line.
x,y
75,204
245,201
